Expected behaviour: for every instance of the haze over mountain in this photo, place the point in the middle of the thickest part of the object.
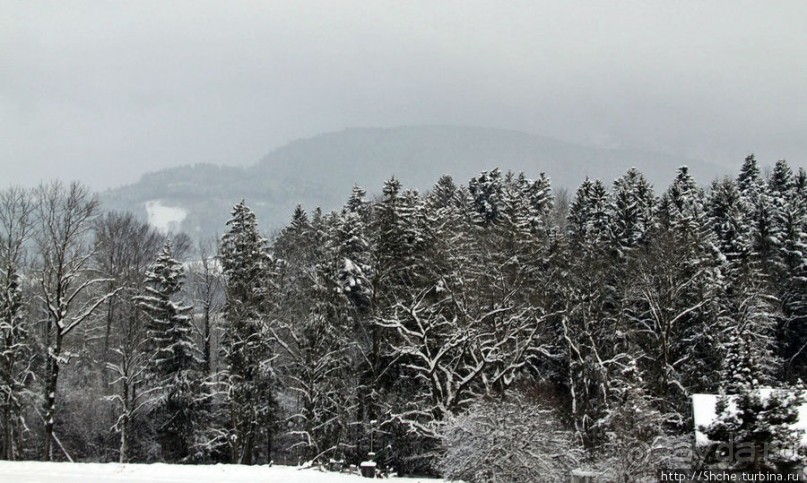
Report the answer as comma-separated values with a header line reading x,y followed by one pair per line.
x,y
320,171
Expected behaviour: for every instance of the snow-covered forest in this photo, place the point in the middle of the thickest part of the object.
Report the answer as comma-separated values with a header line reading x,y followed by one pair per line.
x,y
491,330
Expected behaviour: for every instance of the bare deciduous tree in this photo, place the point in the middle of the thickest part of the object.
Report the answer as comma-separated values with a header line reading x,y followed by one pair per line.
x,y
124,246
65,215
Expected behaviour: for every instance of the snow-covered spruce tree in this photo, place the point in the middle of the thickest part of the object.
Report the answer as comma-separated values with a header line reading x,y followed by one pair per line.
x,y
246,344
15,361
399,240
790,280
586,334
681,208
352,257
398,237
486,196
15,340
354,253
750,179
752,421
746,232
764,231
728,216
794,329
588,215
541,200
749,323
631,206
686,243
173,369
790,215
314,336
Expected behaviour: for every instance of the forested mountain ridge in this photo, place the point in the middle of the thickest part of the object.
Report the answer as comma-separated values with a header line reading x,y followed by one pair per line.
x,y
316,171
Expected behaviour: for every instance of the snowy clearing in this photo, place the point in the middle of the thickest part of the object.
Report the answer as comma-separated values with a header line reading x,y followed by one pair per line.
x,y
33,471
165,218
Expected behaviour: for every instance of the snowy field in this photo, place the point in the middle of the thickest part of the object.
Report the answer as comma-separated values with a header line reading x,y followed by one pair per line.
x,y
32,471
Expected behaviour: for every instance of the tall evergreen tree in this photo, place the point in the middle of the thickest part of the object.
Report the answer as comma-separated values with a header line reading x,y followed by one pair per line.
x,y
246,345
728,215
174,366
15,360
631,207
316,342
16,340
486,196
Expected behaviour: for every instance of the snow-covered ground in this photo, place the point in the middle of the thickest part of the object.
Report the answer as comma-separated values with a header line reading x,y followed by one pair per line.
x,y
34,471
165,218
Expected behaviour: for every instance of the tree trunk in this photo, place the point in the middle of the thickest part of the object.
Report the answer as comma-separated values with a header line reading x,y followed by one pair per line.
x,y
269,446
207,361
8,433
110,316
20,436
50,396
248,448
235,439
125,426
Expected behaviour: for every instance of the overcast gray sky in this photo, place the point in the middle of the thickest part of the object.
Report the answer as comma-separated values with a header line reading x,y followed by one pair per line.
x,y
105,91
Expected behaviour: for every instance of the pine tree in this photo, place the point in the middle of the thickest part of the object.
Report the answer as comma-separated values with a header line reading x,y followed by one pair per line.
x,y
794,305
354,252
588,222
790,215
486,196
15,360
728,215
398,236
315,340
631,210
672,305
681,208
16,341
246,344
587,333
174,366
750,180
444,194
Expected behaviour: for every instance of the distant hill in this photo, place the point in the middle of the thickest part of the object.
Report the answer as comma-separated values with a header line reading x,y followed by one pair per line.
x,y
321,170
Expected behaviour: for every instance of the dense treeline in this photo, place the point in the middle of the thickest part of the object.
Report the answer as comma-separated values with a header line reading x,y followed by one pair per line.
x,y
479,330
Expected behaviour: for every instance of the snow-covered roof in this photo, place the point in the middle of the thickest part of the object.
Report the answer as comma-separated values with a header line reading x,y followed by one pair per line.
x,y
703,414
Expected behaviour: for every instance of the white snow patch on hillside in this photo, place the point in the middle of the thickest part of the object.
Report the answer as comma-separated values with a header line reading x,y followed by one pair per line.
x,y
167,219
34,471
